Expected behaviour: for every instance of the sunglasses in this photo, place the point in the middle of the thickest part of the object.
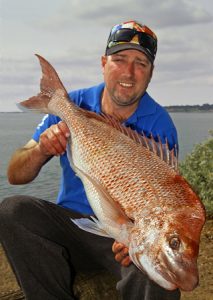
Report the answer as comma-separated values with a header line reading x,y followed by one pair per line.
x,y
126,35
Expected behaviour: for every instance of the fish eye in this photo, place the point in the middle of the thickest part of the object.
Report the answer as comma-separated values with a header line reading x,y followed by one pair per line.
x,y
174,243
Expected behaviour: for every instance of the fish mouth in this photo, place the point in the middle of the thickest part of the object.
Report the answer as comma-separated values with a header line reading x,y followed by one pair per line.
x,y
144,264
166,275
182,273
187,282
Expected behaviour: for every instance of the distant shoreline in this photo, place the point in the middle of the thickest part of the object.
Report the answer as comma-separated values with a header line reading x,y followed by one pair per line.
x,y
173,108
190,108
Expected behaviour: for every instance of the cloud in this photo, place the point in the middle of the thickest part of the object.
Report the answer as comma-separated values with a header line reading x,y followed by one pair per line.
x,y
20,78
156,13
72,35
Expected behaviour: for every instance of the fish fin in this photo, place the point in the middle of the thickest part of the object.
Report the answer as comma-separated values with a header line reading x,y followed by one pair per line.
x,y
160,149
94,227
110,215
118,218
112,207
50,85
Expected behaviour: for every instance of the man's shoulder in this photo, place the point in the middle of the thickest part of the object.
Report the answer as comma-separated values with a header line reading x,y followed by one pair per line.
x,y
155,114
161,113
149,106
154,118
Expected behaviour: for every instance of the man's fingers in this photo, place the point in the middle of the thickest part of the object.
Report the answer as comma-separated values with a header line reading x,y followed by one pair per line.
x,y
116,247
123,258
126,261
59,139
53,141
64,128
121,254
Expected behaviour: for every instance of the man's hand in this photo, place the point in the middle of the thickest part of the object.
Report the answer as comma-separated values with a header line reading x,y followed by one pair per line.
x,y
121,254
53,140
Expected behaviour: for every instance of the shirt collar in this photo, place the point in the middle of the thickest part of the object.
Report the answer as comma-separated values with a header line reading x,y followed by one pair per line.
x,y
146,106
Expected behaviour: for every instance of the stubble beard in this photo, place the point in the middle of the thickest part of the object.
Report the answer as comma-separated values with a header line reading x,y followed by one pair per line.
x,y
121,101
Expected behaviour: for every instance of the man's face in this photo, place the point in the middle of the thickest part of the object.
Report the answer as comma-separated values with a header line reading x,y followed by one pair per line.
x,y
126,75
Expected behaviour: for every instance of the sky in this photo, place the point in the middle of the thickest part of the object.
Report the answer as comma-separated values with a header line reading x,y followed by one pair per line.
x,y
72,35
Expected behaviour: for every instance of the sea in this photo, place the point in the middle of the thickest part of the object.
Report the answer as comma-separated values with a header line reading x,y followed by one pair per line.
x,y
17,128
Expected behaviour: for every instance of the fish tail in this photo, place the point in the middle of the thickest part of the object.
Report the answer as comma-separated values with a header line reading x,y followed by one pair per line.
x,y
50,85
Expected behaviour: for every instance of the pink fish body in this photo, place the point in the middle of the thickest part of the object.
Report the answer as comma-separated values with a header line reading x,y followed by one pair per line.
x,y
138,198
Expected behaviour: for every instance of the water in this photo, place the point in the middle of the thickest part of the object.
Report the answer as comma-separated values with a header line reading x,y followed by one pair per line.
x,y
15,131
193,128
17,128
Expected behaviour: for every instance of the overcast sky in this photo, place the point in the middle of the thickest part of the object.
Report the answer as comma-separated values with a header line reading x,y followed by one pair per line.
x,y
72,34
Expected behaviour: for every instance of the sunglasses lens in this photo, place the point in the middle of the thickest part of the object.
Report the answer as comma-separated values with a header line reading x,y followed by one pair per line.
x,y
123,35
148,42
126,35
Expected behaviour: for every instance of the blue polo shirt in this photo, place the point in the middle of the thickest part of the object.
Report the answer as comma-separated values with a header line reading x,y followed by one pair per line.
x,y
149,117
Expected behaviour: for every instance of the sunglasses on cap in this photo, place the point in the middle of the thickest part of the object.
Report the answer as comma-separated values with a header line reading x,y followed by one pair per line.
x,y
125,35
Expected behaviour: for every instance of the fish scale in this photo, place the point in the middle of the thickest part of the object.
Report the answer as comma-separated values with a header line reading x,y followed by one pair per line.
x,y
133,187
131,183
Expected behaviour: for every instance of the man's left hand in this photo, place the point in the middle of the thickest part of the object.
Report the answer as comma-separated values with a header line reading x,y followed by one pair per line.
x,y
121,254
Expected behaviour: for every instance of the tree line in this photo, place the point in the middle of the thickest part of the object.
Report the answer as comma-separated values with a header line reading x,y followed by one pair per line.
x,y
190,108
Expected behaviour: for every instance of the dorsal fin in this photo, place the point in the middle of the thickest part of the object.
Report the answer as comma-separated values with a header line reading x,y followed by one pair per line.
x,y
157,147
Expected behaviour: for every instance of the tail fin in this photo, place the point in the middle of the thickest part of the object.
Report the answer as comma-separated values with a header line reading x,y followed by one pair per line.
x,y
50,83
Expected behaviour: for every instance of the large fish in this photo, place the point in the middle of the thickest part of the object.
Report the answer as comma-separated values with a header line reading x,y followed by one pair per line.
x,y
135,190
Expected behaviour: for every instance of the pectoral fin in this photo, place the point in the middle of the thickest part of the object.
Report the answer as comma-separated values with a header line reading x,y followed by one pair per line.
x,y
111,218
94,226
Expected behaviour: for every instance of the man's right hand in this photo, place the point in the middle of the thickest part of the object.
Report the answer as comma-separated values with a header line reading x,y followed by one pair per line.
x,y
53,140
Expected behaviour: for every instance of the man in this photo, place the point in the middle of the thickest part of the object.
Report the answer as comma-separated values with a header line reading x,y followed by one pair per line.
x,y
44,247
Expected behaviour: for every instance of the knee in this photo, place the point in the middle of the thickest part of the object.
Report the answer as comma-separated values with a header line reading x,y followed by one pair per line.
x,y
13,208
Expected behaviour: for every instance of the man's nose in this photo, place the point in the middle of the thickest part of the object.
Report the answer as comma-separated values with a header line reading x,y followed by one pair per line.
x,y
130,68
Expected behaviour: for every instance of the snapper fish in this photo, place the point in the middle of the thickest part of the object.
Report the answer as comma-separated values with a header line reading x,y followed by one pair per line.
x,y
133,186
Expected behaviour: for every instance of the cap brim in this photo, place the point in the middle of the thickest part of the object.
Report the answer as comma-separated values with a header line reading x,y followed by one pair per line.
x,y
127,46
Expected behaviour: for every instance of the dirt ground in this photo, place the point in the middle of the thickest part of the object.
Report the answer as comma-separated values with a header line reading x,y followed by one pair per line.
x,y
205,263
10,290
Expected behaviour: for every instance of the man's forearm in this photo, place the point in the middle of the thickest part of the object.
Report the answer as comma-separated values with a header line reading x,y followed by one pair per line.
x,y
25,165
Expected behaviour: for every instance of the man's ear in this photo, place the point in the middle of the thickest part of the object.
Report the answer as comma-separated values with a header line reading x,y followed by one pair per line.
x,y
103,62
151,72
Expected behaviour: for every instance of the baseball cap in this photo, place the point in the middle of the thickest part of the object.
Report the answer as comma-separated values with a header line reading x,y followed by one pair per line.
x,y
132,35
